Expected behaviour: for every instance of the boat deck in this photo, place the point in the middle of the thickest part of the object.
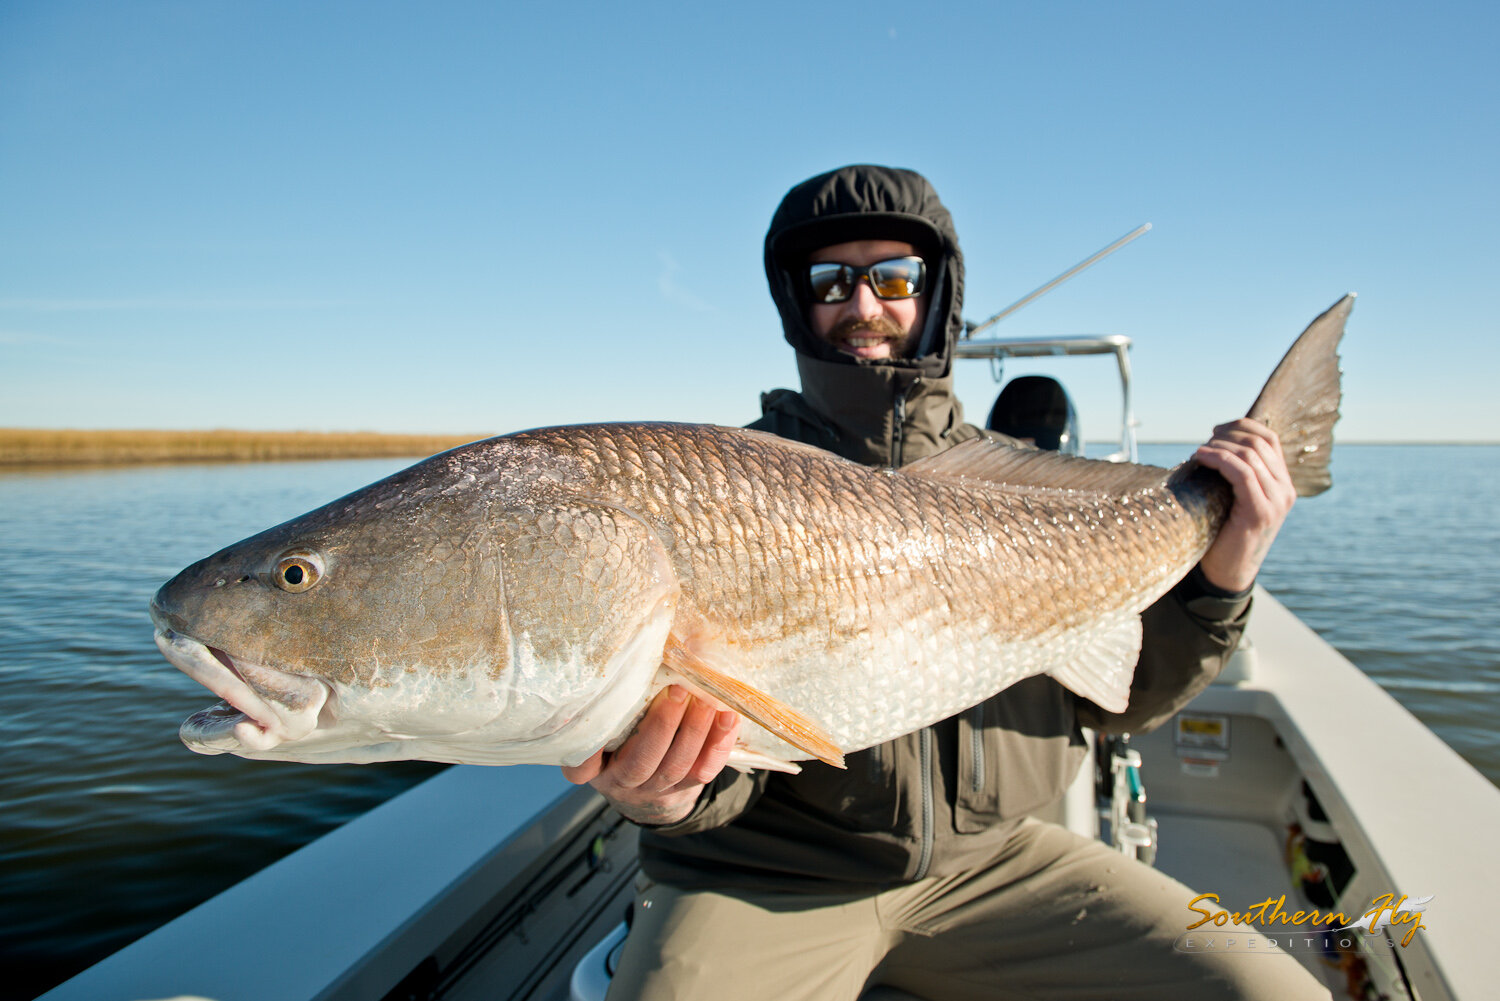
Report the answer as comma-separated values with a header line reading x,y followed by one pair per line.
x,y
1243,861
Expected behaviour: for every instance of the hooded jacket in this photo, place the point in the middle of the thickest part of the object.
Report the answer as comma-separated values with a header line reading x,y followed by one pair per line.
x,y
946,798
884,412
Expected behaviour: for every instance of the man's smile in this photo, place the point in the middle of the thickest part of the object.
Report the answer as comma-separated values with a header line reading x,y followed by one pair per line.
x,y
867,338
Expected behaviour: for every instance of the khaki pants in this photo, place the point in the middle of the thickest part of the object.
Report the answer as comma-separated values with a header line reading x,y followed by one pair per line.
x,y
1058,917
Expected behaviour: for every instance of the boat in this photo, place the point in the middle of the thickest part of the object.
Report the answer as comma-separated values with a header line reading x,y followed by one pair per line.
x,y
1292,788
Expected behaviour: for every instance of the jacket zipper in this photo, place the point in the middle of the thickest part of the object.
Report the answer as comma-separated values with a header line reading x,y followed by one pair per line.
x,y
976,746
898,432
898,456
925,756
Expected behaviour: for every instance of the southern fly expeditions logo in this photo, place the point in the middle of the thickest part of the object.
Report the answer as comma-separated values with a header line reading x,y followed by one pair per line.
x,y
1268,927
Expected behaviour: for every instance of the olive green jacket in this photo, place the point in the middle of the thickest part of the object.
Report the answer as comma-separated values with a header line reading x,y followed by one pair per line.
x,y
948,797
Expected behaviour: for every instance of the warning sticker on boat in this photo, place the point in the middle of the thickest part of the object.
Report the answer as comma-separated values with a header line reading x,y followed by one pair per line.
x,y
1202,736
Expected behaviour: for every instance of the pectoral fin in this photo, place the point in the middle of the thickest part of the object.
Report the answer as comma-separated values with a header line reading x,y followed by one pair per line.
x,y
700,660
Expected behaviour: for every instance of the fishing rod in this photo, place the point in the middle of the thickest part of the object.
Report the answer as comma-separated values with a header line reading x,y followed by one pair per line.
x,y
972,329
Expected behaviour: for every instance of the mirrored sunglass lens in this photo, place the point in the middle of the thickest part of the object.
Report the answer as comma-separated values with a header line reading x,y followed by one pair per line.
x,y
830,282
897,279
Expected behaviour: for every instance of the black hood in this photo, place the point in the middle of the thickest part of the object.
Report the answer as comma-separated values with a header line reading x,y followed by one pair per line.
x,y
868,202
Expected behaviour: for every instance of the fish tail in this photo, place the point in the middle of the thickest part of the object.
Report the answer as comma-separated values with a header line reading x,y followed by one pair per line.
x,y
1300,402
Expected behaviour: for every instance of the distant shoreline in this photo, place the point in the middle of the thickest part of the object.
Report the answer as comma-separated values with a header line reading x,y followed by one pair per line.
x,y
36,448
39,448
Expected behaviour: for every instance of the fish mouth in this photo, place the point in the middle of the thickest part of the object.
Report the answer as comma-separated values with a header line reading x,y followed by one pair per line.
x,y
263,708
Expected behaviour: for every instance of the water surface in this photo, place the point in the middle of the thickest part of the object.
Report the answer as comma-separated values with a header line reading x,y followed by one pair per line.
x,y
108,826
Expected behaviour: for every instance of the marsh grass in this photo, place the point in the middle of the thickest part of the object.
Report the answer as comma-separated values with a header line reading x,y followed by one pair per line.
x,y
30,447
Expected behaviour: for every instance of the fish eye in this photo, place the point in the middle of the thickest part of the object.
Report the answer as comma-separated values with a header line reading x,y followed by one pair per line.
x,y
296,572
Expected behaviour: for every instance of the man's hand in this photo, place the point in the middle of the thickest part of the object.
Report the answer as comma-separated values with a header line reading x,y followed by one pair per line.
x,y
678,747
1248,455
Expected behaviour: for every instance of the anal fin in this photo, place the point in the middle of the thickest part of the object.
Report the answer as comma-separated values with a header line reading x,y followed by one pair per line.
x,y
1103,671
690,657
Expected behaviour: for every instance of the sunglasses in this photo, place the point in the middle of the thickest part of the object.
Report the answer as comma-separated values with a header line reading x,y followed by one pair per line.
x,y
898,278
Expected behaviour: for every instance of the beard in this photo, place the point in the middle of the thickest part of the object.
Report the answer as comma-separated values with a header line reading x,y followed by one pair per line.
x,y
880,326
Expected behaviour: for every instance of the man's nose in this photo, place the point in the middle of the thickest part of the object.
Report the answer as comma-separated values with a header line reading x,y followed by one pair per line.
x,y
863,301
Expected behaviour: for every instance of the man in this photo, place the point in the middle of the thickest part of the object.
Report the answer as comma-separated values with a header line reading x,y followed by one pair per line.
x,y
918,865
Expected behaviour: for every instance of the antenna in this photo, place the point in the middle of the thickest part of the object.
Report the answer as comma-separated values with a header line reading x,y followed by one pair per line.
x,y
1138,231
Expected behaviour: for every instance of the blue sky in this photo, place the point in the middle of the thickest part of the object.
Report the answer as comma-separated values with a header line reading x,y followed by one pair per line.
x,y
475,218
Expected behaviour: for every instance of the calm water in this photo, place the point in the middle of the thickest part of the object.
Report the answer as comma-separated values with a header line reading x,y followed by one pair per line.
x,y
108,826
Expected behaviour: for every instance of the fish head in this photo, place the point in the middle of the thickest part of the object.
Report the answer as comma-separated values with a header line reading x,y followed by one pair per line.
x,y
438,616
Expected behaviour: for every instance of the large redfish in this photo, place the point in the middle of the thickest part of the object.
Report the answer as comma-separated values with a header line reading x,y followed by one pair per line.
x,y
521,599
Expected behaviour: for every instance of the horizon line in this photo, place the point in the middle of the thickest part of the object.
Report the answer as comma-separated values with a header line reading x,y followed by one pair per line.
x,y
454,434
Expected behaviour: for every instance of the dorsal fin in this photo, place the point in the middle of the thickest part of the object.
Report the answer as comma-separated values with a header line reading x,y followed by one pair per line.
x,y
982,462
